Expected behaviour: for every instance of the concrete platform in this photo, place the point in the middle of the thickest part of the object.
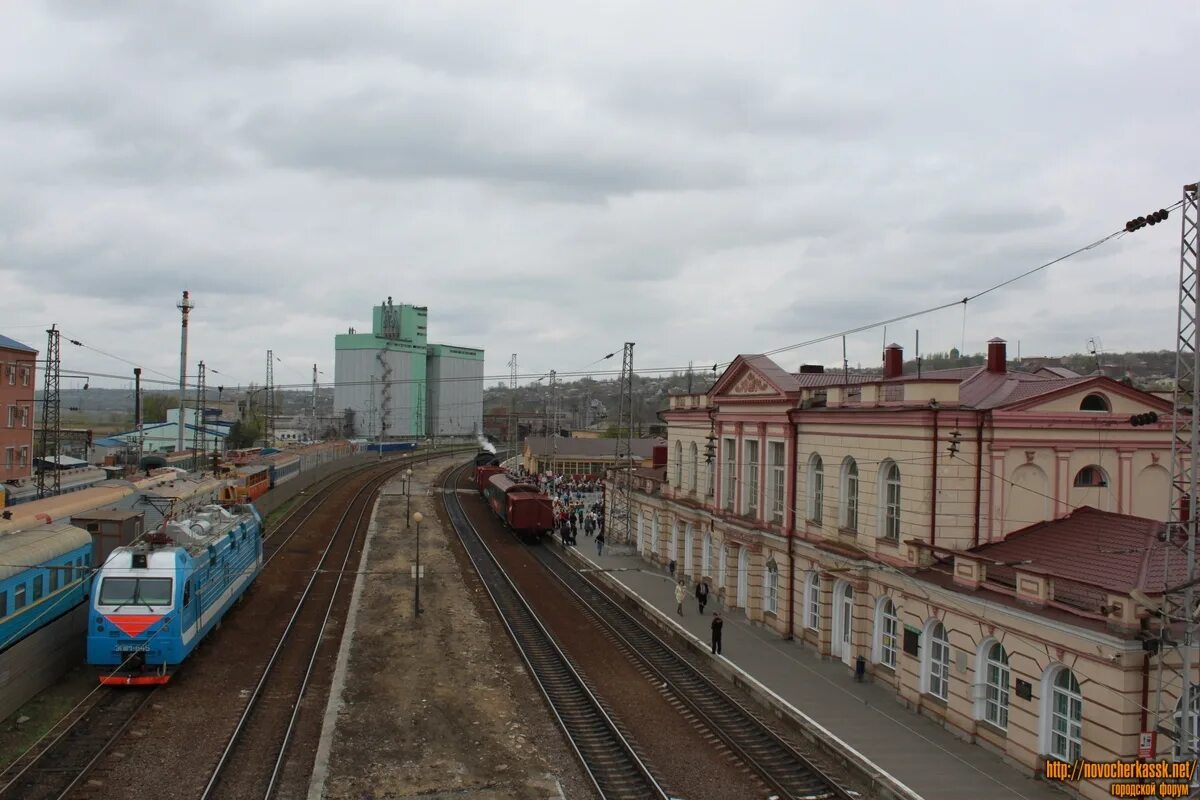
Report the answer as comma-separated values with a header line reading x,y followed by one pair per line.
x,y
914,757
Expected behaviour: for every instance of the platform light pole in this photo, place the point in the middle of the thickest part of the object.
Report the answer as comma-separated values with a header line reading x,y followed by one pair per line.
x,y
417,570
408,497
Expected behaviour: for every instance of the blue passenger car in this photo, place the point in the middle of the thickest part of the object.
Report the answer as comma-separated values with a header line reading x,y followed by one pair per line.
x,y
152,603
45,572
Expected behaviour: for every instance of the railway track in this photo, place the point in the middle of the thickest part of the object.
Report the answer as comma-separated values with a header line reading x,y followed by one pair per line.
x,y
78,743
607,756
254,754
776,761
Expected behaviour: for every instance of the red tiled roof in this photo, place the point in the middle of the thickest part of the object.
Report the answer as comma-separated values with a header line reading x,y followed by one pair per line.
x,y
806,380
1116,552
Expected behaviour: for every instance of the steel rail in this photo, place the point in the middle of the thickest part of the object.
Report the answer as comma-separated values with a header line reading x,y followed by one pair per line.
x,y
755,743
372,484
608,758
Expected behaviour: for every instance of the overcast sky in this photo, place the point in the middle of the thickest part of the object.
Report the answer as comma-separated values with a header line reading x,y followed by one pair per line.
x,y
703,179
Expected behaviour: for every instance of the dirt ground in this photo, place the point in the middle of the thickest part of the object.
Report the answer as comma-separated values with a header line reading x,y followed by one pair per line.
x,y
437,705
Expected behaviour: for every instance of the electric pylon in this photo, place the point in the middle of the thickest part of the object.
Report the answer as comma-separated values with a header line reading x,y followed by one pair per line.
x,y
620,510
51,434
1177,698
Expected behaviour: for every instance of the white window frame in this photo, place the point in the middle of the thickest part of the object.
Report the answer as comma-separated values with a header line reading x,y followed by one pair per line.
x,y
23,457
1062,733
12,373
12,416
678,464
10,457
889,501
935,672
694,478
25,372
729,452
994,677
887,632
848,495
812,601
751,484
771,590
816,489
777,482
706,555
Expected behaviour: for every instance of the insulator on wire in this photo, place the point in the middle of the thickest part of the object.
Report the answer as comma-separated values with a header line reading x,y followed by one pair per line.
x,y
1152,219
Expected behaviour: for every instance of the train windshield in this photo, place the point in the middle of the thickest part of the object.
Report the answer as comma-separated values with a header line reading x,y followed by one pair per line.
x,y
135,591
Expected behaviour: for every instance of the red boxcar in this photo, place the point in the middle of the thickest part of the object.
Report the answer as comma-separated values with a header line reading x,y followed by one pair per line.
x,y
522,507
484,473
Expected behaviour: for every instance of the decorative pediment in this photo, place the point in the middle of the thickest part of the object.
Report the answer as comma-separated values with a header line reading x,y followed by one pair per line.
x,y
751,383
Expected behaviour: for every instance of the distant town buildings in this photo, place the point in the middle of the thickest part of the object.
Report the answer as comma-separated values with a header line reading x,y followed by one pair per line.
x,y
977,537
18,379
392,384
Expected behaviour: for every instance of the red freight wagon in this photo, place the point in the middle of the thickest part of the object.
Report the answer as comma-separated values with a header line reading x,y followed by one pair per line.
x,y
522,507
484,474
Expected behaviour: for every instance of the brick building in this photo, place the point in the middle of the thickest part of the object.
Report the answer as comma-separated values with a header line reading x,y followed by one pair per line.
x,y
974,535
18,377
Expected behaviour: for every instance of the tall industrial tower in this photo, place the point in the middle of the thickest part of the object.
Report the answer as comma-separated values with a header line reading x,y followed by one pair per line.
x,y
49,481
513,437
620,512
312,408
185,307
269,404
199,437
1177,699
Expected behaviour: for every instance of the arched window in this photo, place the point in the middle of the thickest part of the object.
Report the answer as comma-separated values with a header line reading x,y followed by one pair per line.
x,y
1062,714
694,458
1091,477
816,488
887,630
812,601
848,501
706,555
678,464
1095,402
654,534
993,673
743,577
723,567
889,501
936,666
771,587
687,548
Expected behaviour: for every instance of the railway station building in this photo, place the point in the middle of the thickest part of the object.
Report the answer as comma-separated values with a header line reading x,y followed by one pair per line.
x,y
18,380
570,455
977,537
392,384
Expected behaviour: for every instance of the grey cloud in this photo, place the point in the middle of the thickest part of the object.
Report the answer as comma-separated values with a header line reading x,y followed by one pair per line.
x,y
995,221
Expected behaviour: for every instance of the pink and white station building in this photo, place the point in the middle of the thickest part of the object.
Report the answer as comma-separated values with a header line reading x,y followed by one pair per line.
x,y
974,534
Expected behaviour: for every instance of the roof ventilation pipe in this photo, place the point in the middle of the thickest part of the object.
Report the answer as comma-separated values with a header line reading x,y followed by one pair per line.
x,y
893,361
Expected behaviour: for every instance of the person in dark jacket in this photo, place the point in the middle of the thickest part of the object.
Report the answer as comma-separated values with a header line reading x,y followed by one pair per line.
x,y
600,543
717,624
702,594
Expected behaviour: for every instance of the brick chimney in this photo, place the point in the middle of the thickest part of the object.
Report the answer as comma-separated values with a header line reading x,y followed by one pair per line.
x,y
997,356
893,361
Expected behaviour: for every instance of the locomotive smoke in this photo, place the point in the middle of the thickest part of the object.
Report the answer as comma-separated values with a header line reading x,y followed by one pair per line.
x,y
486,445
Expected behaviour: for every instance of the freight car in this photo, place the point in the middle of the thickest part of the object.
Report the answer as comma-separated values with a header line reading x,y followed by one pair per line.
x,y
153,602
45,572
487,464
520,506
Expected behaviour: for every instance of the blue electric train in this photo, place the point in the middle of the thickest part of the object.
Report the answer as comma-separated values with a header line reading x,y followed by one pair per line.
x,y
153,602
45,572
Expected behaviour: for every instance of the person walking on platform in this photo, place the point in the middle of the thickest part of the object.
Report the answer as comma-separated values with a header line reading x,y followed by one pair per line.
x,y
589,525
680,594
717,624
702,594
600,543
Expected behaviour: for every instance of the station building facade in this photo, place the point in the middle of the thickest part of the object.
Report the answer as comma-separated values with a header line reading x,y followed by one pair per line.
x,y
18,380
973,535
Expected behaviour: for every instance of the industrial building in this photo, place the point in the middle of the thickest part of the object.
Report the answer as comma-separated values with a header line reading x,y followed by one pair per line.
x,y
391,384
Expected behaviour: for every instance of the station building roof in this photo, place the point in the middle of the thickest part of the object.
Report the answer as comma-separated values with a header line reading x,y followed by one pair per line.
x,y
12,344
570,447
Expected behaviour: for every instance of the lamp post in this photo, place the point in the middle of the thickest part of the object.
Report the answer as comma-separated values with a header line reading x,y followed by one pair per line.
x,y
408,497
417,599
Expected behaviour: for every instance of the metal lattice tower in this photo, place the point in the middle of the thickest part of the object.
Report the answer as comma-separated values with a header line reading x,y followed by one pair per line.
x,y
312,408
620,514
199,437
269,404
51,433
554,421
1177,695
513,436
